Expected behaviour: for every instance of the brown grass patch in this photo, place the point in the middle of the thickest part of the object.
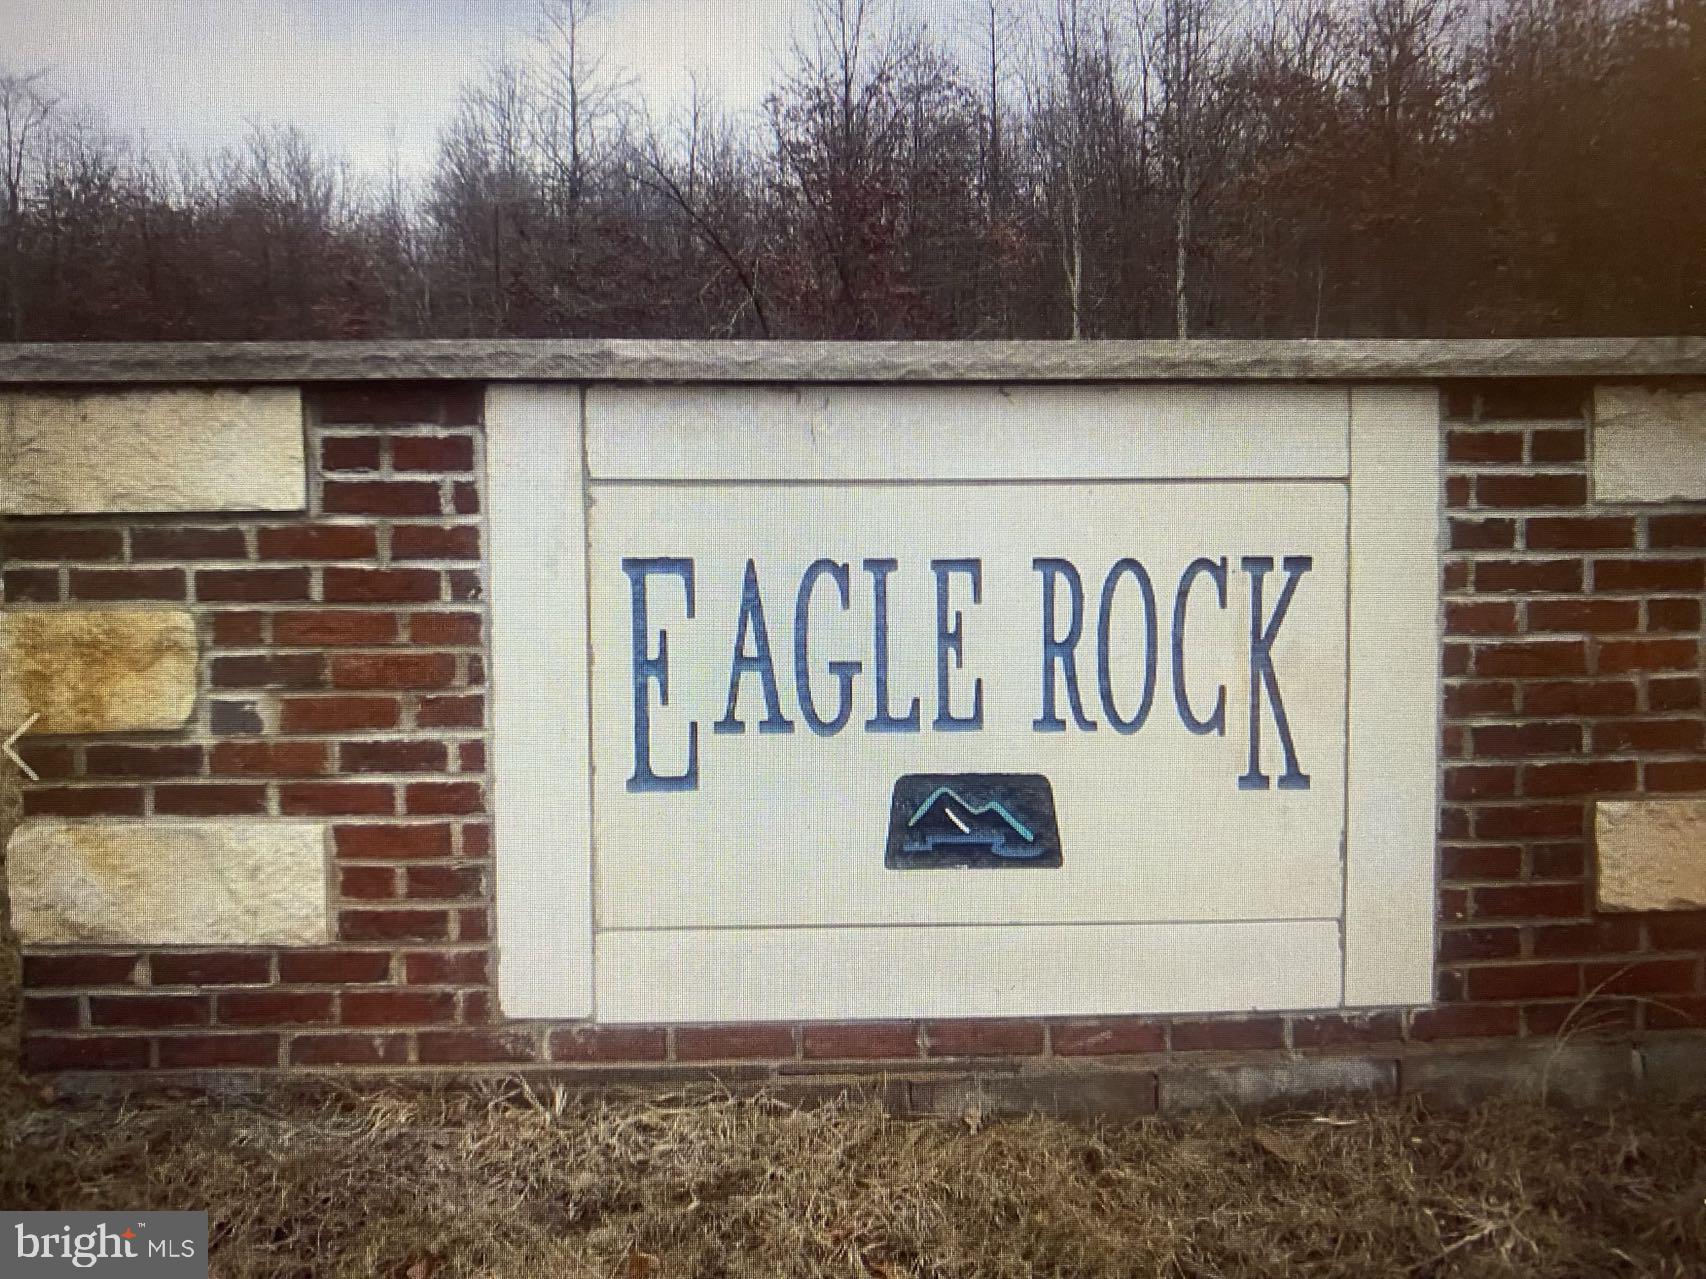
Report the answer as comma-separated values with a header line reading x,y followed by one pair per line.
x,y
504,1181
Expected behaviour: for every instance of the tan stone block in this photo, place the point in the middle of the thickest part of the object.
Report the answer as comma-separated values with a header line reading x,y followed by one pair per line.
x,y
1649,445
181,449
245,883
1652,854
97,670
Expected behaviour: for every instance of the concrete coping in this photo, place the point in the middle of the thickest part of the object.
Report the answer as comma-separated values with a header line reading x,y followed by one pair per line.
x,y
843,362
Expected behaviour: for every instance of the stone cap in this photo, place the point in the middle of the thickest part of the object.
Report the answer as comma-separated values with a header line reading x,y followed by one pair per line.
x,y
1426,360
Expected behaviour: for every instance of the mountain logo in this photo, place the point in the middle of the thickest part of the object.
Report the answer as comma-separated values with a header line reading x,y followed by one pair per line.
x,y
972,820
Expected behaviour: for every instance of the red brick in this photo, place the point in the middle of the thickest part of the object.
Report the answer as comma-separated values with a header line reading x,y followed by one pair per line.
x,y
1453,823
126,584
1454,576
208,968
337,714
275,1008
58,545
1580,1017
1480,781
1672,531
440,453
1567,445
1458,490
1105,1036
1483,446
367,883
397,1007
1494,740
429,403
210,800
1680,930
1649,575
380,497
425,798
83,801
1587,778
51,760
319,542
1580,697
1579,533
446,968
1481,861
349,1050
1651,977
451,1047
1480,617
1530,901
607,1043
1482,535
1228,1035
394,925
108,760
452,712
429,542
218,585
476,840
1528,576
349,453
271,758
1676,1012
737,1042
1566,860
1648,735
42,971
102,1052
273,670
1522,398
1616,656
465,498
1595,615
334,967
473,924
1478,943
1518,821
444,881
1465,700
393,670
463,585
334,628
208,1051
471,757
445,628
148,1011
59,1012
163,543
1603,936
238,630
316,799
1336,1030
381,585
1685,776
1463,1021
1532,489
393,757
1524,981
1669,615
410,842
1532,658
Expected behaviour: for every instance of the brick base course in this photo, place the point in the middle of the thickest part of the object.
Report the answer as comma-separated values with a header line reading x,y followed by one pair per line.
x,y
344,673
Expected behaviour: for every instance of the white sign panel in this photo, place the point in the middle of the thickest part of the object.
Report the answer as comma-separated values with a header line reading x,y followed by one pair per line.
x,y
904,701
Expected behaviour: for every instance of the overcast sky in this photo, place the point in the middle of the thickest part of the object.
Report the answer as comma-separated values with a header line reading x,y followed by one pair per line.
x,y
193,73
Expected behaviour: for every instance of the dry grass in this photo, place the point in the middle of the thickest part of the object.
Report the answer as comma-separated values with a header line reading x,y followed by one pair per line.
x,y
506,1182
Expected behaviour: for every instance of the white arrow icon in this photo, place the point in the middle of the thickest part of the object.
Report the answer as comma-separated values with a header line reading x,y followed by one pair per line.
x,y
13,755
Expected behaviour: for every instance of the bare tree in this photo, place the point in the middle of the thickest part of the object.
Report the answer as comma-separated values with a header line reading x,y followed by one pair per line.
x,y
25,107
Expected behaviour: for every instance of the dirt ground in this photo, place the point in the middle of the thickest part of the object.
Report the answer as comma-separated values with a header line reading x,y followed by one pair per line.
x,y
509,1182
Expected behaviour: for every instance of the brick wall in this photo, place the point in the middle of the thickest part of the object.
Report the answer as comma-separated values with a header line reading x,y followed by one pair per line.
x,y
343,677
